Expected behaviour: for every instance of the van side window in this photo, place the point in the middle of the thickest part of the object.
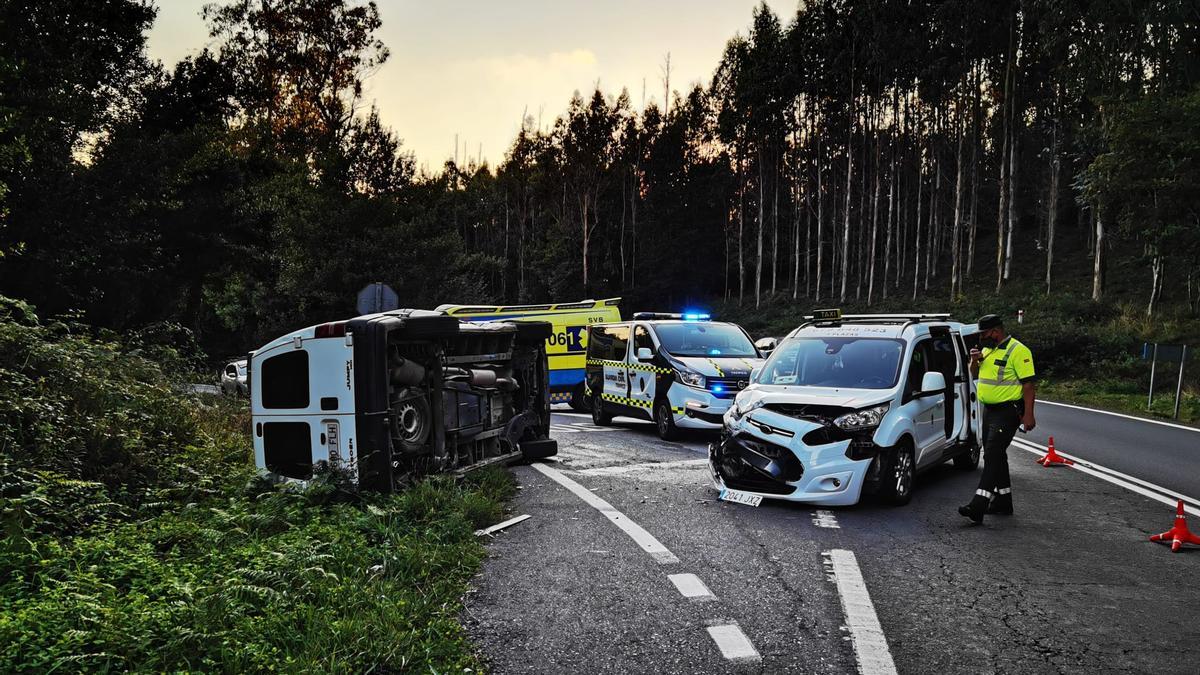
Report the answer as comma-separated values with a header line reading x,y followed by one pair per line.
x,y
285,380
918,366
944,360
641,338
600,343
620,343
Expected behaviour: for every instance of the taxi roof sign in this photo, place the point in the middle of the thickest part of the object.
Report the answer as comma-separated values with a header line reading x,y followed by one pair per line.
x,y
827,314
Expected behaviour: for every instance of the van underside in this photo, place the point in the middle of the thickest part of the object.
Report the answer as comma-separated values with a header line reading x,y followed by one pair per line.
x,y
434,394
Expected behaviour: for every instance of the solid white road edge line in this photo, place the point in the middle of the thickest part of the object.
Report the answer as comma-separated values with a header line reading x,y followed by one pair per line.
x,y
733,643
690,586
1116,414
1114,472
870,645
1158,494
640,536
824,518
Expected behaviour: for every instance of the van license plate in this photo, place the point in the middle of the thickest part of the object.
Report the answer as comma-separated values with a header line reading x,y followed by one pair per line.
x,y
738,497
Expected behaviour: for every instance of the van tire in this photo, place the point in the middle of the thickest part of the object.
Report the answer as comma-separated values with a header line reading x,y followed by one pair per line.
x,y
896,485
969,460
664,420
579,400
599,417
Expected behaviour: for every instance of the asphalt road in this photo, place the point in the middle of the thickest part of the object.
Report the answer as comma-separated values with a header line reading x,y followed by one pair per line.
x,y
1069,584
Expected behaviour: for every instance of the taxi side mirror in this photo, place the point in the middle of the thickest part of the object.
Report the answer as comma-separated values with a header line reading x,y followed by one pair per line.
x,y
766,345
932,383
644,354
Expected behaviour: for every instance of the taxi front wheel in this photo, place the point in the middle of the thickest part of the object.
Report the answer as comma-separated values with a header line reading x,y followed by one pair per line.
x,y
897,483
664,420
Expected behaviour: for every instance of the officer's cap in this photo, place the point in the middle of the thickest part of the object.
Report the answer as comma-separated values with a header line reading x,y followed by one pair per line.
x,y
990,321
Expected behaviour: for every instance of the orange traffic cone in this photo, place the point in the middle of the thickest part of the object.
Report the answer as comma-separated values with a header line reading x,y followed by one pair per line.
x,y
1179,534
1051,458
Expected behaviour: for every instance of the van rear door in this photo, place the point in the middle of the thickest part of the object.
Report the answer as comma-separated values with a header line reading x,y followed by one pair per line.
x,y
302,405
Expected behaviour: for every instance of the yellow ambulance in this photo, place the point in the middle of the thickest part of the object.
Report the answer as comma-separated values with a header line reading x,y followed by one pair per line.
x,y
566,347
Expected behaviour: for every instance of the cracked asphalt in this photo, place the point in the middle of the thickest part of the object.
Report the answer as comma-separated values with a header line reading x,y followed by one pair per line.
x,y
1068,585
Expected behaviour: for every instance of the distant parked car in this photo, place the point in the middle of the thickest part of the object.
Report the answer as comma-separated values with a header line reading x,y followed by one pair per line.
x,y
233,379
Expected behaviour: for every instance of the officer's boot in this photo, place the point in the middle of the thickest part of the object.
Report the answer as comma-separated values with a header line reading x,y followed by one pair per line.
x,y
1002,505
977,507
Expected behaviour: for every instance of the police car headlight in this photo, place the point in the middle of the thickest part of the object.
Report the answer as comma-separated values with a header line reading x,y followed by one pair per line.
x,y
862,419
690,377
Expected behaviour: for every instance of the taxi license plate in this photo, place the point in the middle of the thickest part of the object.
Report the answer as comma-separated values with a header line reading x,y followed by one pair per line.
x,y
738,497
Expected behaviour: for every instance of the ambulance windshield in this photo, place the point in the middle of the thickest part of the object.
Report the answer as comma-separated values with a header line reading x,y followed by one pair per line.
x,y
704,339
841,362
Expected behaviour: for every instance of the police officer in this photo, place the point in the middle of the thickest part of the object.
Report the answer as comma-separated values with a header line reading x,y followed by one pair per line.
x,y
1005,385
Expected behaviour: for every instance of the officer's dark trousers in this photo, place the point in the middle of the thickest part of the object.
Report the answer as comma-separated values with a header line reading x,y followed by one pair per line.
x,y
1000,424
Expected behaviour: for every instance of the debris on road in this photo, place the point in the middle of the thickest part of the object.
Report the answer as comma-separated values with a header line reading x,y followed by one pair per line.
x,y
500,526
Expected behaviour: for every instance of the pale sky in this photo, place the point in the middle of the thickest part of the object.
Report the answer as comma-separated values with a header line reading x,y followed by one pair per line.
x,y
470,67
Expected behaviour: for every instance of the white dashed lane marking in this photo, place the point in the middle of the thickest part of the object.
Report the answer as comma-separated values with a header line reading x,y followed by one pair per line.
x,y
826,519
690,586
641,537
733,643
870,645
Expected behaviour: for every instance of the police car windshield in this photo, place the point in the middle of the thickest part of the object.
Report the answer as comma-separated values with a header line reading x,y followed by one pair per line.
x,y
704,339
841,362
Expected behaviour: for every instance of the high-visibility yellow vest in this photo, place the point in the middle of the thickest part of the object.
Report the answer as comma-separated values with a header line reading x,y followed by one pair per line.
x,y
1001,372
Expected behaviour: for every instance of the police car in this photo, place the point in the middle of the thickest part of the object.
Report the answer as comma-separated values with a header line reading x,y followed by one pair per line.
x,y
681,371
848,405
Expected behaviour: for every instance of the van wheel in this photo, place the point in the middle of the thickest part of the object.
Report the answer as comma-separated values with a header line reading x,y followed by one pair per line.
x,y
969,460
599,417
579,401
664,420
896,484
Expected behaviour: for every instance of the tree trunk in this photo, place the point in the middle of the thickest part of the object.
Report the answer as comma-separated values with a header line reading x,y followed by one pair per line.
x,y
849,194
1156,280
874,228
972,218
775,228
956,231
820,218
741,233
1012,205
1052,200
758,265
1098,263
917,223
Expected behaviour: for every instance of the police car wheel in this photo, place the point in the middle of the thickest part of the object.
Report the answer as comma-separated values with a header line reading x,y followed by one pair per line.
x,y
664,421
896,485
599,417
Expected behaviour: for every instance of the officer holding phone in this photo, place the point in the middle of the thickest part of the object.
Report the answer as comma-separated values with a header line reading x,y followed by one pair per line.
x,y
1005,384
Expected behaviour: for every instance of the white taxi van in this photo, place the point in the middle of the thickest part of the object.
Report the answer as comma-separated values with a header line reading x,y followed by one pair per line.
x,y
851,405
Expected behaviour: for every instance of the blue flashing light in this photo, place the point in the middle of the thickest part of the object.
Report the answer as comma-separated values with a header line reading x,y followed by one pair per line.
x,y
714,352
718,389
696,316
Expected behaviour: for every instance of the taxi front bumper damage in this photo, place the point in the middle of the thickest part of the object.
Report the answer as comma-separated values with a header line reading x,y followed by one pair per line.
x,y
834,471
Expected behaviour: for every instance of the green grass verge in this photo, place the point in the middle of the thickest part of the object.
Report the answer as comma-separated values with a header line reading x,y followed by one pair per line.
x,y
271,579
1118,397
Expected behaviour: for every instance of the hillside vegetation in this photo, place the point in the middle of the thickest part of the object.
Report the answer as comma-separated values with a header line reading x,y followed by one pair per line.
x,y
137,536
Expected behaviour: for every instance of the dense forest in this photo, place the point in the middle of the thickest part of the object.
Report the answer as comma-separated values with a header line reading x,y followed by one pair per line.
x,y
852,152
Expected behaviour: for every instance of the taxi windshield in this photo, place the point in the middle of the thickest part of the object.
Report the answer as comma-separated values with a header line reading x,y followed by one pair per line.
x,y
704,339
841,362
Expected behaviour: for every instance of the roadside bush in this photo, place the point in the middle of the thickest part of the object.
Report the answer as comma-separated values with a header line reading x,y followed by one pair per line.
x,y
137,535
82,407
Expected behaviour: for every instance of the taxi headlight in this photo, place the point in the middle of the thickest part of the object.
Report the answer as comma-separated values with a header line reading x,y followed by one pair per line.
x,y
690,377
862,419
737,411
